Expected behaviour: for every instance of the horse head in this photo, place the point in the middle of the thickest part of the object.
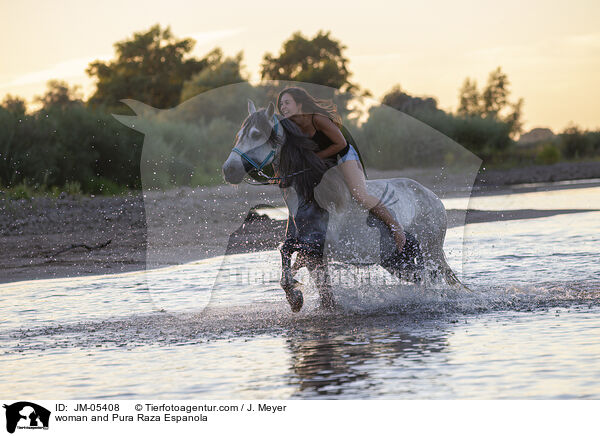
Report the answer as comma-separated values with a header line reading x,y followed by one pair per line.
x,y
257,144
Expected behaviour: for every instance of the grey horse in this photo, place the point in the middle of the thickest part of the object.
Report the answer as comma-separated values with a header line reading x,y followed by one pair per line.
x,y
325,222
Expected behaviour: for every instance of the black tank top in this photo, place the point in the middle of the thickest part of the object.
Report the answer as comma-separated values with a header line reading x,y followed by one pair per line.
x,y
323,141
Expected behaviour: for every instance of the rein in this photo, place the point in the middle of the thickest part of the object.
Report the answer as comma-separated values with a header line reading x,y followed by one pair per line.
x,y
275,179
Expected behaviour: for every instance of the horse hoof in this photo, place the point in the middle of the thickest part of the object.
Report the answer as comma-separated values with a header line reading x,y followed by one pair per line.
x,y
294,296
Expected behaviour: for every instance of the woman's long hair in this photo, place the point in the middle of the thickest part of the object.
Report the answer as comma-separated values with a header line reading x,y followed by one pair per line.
x,y
311,105
298,154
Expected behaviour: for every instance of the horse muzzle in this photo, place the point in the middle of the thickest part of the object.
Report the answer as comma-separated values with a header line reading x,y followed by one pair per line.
x,y
233,172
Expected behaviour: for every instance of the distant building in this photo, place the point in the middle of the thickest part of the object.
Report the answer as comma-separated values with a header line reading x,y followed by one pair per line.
x,y
536,135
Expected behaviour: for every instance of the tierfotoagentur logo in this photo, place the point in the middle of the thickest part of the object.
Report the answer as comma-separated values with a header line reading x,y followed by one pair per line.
x,y
26,415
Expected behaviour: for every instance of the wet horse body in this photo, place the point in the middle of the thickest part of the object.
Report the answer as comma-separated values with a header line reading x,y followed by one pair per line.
x,y
324,222
312,233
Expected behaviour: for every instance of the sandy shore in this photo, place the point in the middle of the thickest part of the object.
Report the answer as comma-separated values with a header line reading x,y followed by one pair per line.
x,y
73,236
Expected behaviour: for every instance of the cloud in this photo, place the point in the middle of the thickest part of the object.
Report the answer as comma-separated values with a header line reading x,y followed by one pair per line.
x,y
203,38
376,57
62,70
76,67
549,50
590,40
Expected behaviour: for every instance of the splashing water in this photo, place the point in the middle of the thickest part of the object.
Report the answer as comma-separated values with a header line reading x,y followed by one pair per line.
x,y
526,328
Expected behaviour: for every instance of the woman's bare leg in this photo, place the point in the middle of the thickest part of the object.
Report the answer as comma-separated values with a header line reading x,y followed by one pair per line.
x,y
355,179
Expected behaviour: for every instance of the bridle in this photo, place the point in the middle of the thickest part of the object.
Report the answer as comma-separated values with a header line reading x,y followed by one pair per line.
x,y
259,167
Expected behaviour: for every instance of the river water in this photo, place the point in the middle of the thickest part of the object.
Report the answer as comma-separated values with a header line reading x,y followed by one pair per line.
x,y
527,328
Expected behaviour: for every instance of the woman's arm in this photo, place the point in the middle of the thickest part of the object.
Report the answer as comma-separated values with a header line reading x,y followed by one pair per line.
x,y
332,131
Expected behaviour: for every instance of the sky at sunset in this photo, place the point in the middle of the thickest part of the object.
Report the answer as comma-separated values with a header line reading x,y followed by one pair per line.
x,y
550,50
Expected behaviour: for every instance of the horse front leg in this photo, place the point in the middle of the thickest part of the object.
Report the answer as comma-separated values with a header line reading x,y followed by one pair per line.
x,y
319,272
292,287
301,261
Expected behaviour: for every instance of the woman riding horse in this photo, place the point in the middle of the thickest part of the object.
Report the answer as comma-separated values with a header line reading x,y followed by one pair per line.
x,y
319,120
265,139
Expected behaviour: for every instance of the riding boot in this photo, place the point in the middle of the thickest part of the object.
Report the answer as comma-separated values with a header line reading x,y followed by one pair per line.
x,y
383,213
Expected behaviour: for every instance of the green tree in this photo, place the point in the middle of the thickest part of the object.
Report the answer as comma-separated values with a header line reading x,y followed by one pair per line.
x,y
225,103
576,143
470,99
400,100
318,60
494,97
515,117
150,67
14,104
59,95
481,135
492,103
218,72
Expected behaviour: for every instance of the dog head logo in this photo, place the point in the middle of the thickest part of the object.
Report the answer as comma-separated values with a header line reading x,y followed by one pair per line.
x,y
24,414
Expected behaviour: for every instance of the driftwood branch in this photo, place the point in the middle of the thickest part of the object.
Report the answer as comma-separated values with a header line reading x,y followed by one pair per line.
x,y
87,247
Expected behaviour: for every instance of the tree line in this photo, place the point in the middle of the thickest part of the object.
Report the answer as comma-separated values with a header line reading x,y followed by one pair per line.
x,y
72,144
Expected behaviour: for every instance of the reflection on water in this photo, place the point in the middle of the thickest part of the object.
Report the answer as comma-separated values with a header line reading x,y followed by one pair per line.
x,y
549,353
331,363
529,328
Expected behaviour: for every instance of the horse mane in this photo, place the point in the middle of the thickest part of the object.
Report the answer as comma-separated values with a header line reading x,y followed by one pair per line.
x,y
298,153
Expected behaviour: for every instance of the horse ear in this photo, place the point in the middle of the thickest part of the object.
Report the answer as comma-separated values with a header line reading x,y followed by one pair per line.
x,y
270,110
251,107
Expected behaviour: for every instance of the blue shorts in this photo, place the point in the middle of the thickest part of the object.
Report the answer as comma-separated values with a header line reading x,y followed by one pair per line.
x,y
351,154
